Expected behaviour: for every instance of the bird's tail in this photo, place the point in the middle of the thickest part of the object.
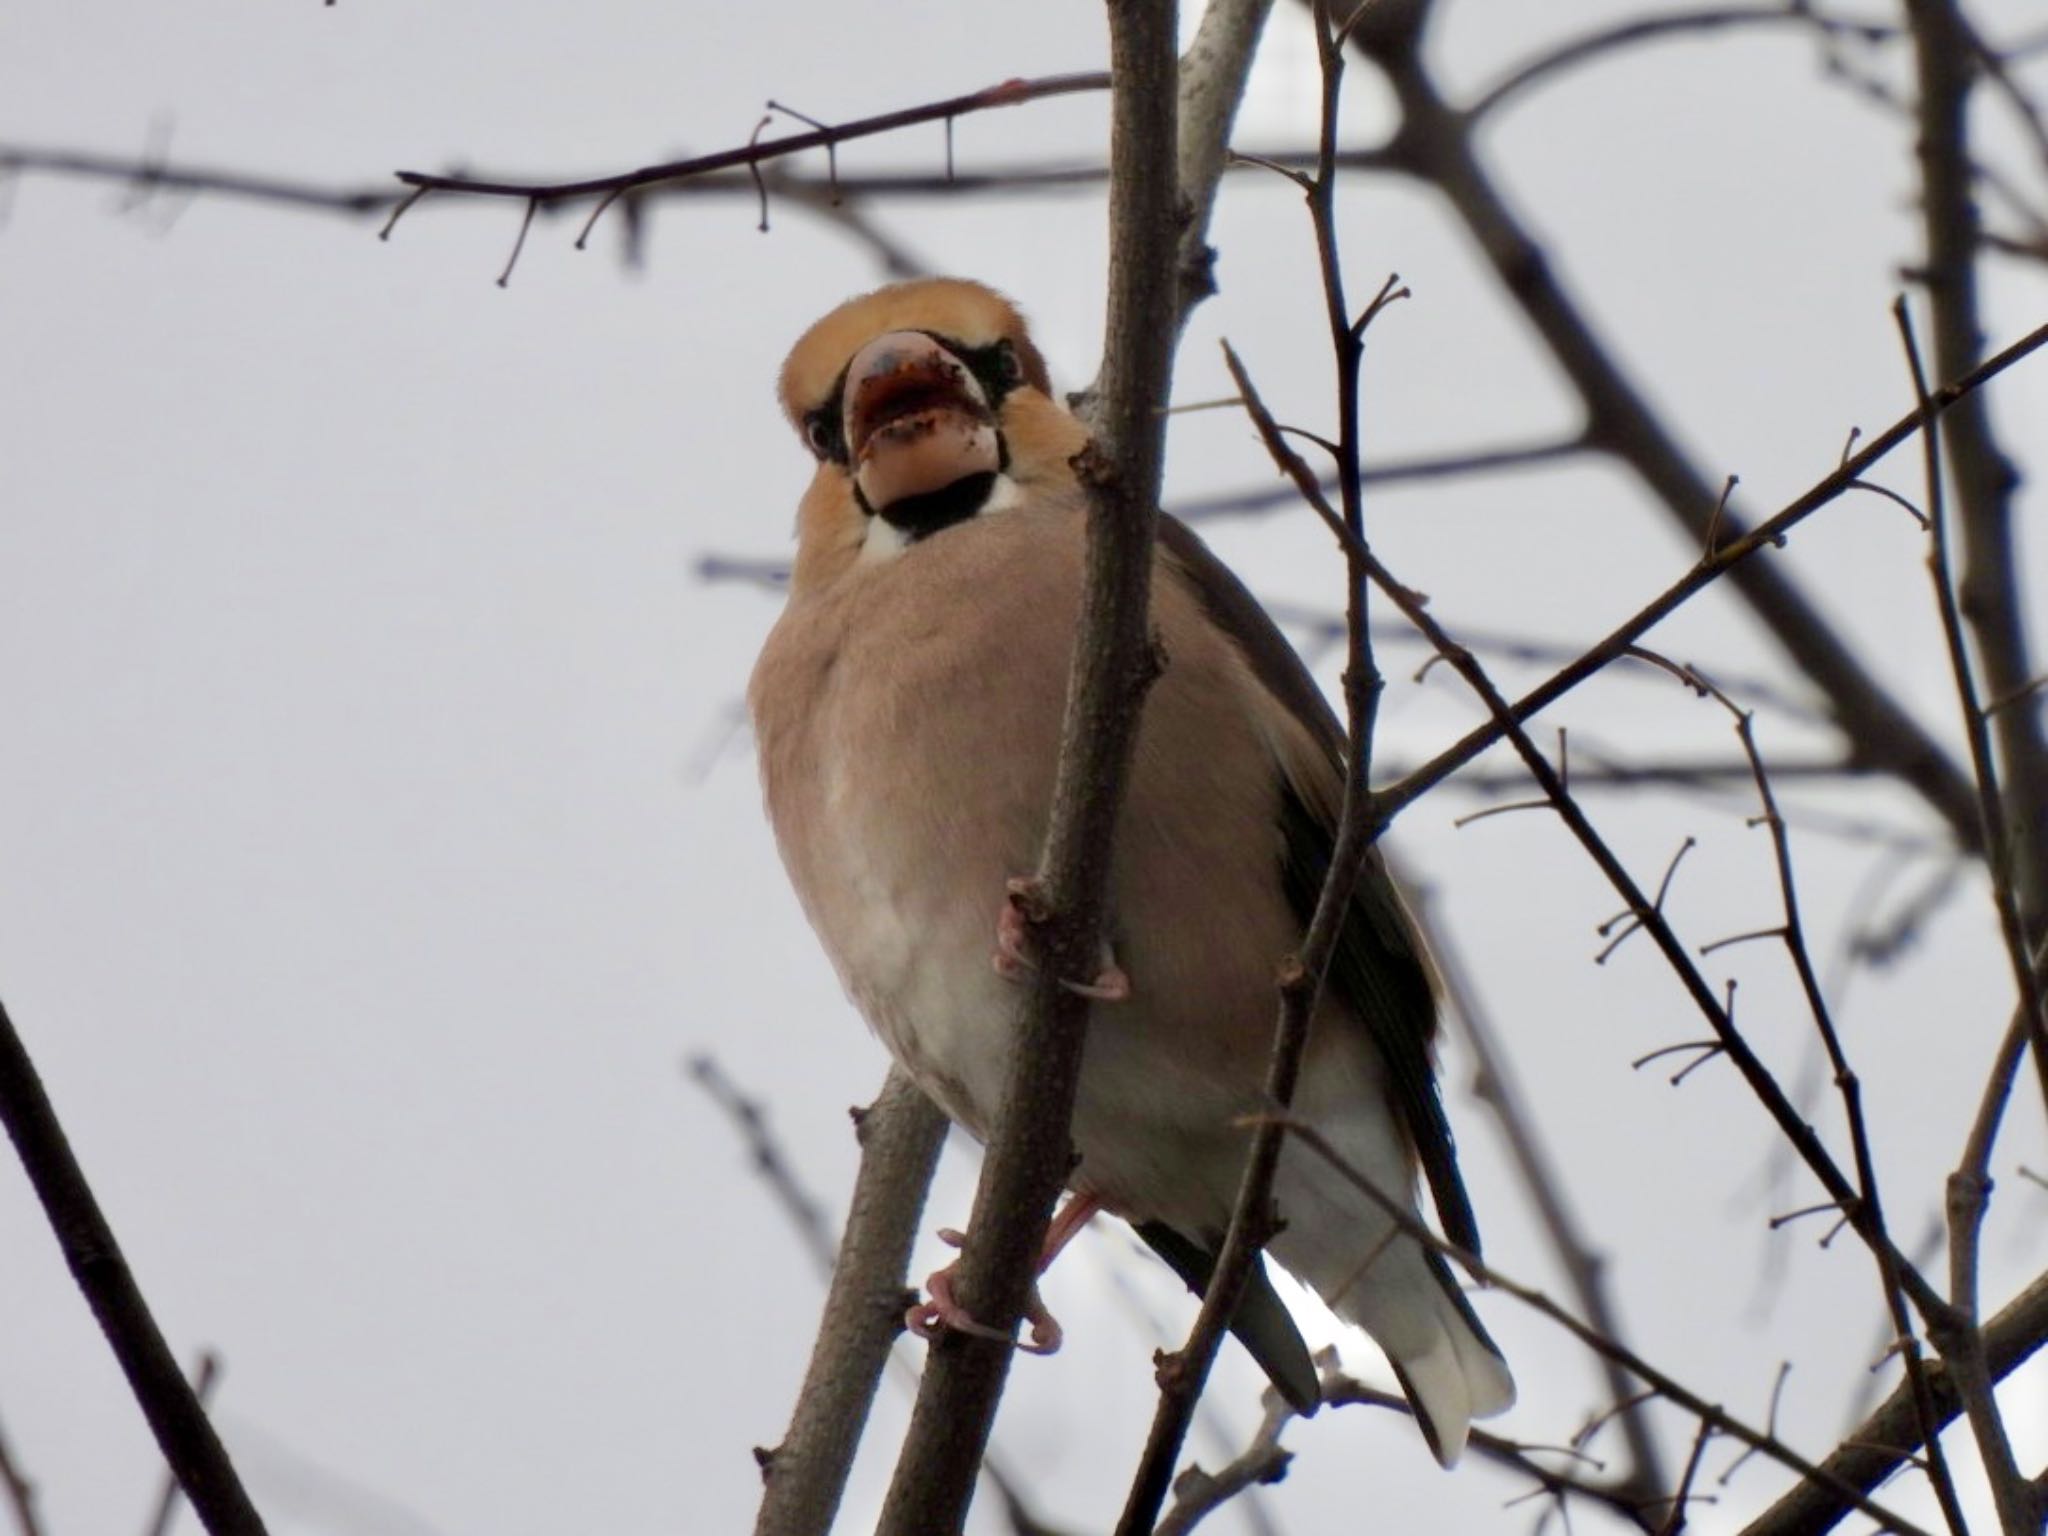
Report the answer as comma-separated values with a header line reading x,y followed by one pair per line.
x,y
1451,1371
1338,1241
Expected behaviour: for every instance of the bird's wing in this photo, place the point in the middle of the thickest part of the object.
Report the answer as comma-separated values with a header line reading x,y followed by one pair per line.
x,y
1261,1322
1380,969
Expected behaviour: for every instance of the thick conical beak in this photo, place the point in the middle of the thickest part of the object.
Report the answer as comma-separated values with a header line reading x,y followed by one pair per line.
x,y
916,419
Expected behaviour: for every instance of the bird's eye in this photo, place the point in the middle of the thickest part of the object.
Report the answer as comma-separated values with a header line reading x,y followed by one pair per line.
x,y
818,433
1009,366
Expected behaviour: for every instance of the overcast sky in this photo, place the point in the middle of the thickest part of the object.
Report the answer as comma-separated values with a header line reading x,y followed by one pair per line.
x,y
378,837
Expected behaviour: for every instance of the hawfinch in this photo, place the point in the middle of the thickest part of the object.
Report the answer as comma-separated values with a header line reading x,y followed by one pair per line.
x,y
907,711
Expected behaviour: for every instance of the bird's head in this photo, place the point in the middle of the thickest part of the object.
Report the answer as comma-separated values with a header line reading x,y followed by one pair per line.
x,y
925,404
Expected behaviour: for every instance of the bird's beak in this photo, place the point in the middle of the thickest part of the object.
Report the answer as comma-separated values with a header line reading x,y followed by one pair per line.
x,y
916,419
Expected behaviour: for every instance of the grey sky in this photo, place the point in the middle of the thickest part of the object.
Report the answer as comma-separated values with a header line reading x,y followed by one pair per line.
x,y
374,842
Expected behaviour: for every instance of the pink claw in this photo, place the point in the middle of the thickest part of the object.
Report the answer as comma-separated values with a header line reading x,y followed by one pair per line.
x,y
1012,958
942,1310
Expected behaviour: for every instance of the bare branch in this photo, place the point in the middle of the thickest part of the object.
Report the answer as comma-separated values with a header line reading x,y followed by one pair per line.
x,y
1435,144
1645,912
1665,1386
2005,842
1494,1085
1212,77
1887,1439
1729,555
900,1136
1947,53
1711,18
183,1432
1030,1146
1198,1494
1851,1089
204,1380
1183,1376
1008,94
21,1493
1477,461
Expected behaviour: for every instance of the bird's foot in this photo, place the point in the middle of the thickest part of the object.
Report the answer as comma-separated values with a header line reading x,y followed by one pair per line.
x,y
941,1310
1024,903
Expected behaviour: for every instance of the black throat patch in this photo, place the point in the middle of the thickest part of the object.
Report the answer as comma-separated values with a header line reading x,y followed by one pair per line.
x,y
918,517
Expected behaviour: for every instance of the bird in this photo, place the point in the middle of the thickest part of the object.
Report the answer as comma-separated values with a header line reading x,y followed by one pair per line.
x,y
906,709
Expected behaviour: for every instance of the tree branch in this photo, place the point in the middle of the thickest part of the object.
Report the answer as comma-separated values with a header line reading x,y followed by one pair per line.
x,y
1628,34
1728,554
1183,1377
182,1430
1887,1439
21,1493
1434,143
1030,1147
1212,77
805,1476
204,1380
1946,54
1493,1084
1008,94
1664,1385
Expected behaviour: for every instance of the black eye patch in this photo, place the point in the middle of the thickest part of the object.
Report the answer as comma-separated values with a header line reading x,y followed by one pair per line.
x,y
996,367
824,433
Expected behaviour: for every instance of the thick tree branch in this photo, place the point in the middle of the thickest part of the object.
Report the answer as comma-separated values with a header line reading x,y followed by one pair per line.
x,y
805,1476
1030,1148
204,1380
1889,1437
183,1432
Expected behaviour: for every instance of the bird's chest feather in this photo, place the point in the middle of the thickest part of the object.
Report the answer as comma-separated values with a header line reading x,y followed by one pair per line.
x,y
908,723
908,727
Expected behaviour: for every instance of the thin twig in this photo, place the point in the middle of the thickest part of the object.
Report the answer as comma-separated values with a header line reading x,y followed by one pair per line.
x,y
1198,1494
1183,1376
1507,720
1627,34
21,1493
1847,1083
1664,1385
1495,1086
1886,1440
1008,94
1435,142
1730,556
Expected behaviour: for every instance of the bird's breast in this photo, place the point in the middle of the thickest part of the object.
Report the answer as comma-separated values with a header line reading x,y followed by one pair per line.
x,y
908,726
908,720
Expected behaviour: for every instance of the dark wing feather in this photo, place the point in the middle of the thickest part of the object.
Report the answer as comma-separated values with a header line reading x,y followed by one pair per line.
x,y
1379,968
1261,1322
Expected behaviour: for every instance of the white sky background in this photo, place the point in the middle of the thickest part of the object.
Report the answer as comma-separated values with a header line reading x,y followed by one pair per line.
x,y
373,846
